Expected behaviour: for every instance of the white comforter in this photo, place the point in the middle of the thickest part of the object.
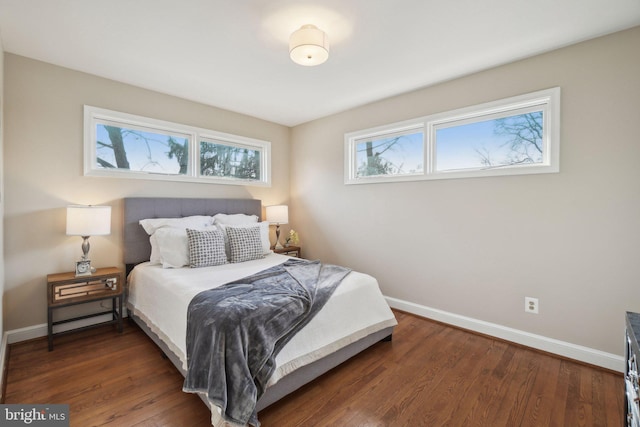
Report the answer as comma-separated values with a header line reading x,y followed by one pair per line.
x,y
160,297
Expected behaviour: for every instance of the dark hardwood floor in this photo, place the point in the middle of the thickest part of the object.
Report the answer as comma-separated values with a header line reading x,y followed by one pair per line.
x,y
430,375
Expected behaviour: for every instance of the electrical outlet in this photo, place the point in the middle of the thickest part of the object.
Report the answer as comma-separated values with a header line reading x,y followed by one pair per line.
x,y
531,305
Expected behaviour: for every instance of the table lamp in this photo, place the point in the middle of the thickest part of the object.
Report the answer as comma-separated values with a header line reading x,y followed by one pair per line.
x,y
86,221
278,215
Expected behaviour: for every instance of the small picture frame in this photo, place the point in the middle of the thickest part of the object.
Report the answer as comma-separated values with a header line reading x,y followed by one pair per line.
x,y
83,267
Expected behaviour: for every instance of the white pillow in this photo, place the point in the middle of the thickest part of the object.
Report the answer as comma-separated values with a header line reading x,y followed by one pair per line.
x,y
173,246
154,258
264,235
234,219
150,225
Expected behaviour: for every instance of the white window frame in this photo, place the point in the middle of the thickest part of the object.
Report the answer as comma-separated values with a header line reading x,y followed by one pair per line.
x,y
547,100
353,139
94,116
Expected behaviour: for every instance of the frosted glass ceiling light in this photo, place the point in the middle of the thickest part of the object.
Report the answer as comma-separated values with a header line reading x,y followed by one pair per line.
x,y
309,46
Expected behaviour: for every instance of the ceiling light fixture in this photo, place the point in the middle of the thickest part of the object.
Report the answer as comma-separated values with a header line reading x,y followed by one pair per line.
x,y
309,46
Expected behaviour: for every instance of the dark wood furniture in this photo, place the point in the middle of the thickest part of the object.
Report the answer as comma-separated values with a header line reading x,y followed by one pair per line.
x,y
67,289
290,250
632,353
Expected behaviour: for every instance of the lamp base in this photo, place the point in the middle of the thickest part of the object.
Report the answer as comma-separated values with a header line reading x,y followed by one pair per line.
x,y
278,245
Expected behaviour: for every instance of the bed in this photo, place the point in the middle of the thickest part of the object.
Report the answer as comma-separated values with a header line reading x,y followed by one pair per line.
x,y
157,299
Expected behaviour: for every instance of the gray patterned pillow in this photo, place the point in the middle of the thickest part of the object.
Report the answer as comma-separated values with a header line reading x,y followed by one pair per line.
x,y
245,243
206,248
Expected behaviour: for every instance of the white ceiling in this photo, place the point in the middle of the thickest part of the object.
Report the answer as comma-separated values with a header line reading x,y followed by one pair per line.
x,y
233,54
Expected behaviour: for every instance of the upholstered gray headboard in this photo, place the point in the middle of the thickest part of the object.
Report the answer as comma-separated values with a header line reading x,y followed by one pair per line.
x,y
136,241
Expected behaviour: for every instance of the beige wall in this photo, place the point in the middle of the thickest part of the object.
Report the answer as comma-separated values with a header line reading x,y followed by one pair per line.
x,y
474,247
43,172
2,195
477,247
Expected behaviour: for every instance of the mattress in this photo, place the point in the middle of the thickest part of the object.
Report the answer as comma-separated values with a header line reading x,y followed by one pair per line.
x,y
160,297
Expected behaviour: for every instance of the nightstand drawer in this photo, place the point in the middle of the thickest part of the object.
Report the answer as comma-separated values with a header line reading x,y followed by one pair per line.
x,y
61,294
67,288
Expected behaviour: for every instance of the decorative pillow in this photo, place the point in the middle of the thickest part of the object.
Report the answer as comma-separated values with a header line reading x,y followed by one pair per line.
x,y
206,248
245,243
264,235
234,219
150,225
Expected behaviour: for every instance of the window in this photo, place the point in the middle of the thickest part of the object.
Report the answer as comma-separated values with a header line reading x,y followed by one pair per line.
x,y
518,135
123,145
229,160
138,149
390,152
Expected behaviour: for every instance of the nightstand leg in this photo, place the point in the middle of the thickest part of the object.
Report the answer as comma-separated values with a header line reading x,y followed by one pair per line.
x,y
120,314
50,327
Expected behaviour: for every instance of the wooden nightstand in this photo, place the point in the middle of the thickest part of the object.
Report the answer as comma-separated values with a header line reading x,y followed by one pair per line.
x,y
289,250
65,289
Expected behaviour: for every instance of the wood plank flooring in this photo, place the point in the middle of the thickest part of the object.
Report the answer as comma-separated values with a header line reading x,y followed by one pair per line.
x,y
430,375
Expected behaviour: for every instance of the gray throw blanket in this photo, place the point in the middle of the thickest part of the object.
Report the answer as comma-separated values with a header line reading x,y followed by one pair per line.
x,y
235,331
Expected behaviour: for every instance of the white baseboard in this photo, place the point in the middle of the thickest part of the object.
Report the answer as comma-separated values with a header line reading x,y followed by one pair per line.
x,y
565,349
37,331
562,348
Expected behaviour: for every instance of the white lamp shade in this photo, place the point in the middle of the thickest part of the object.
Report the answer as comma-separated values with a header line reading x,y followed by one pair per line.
x,y
278,214
309,46
88,220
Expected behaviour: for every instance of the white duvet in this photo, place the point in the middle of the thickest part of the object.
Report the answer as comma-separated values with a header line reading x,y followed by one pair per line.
x,y
160,297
